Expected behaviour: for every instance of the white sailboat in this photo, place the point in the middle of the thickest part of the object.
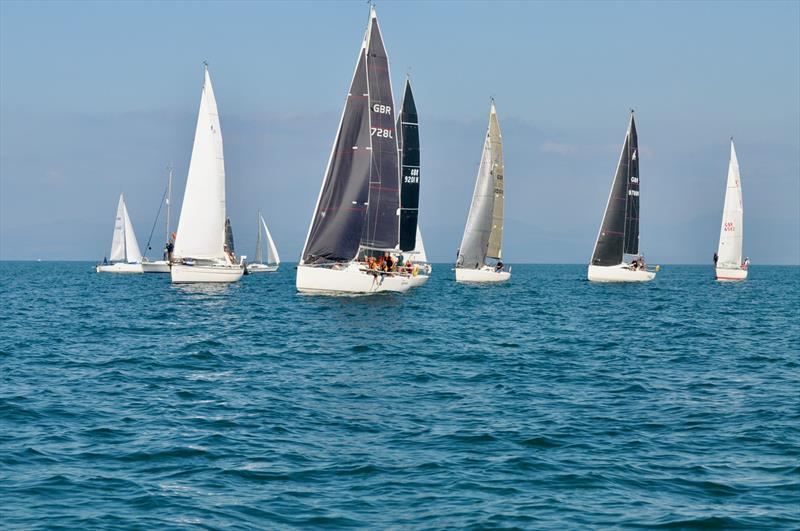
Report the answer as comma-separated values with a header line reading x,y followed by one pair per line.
x,y
125,255
619,231
357,210
162,266
483,234
729,265
200,254
273,260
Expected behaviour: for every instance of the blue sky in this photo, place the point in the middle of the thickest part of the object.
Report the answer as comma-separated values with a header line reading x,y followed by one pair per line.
x,y
97,98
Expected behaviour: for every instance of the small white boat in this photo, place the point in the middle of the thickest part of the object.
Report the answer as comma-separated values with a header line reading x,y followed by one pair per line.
x,y
125,256
729,266
200,254
357,214
619,231
483,234
155,266
273,260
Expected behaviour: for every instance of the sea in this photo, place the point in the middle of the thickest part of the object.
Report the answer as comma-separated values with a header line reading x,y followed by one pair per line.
x,y
545,403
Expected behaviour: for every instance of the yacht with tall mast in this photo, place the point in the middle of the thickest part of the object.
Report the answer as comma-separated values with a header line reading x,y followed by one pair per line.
x,y
729,265
125,256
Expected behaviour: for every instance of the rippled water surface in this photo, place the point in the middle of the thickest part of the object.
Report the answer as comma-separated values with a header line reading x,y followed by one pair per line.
x,y
547,402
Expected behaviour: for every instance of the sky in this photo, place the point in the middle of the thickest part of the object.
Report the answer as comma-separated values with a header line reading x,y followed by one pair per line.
x,y
98,98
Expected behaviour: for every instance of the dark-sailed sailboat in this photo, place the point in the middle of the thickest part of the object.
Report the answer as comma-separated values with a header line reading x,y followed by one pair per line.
x,y
619,231
358,210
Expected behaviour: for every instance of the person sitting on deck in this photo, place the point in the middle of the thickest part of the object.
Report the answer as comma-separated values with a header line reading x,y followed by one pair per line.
x,y
498,267
642,265
746,263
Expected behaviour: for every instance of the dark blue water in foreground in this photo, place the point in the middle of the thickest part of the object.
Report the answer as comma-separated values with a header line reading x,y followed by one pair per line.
x,y
548,402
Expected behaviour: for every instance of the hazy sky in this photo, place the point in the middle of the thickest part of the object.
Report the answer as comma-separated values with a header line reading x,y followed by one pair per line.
x,y
97,98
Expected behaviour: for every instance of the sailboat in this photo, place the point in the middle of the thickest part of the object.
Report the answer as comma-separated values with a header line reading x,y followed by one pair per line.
x,y
125,255
357,210
729,264
273,260
619,231
161,266
483,234
200,254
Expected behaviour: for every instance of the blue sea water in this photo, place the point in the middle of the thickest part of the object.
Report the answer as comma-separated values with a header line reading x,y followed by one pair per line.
x,y
544,403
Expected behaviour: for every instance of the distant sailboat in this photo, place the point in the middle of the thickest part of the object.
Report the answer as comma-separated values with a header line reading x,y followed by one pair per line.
x,y
483,234
125,255
729,264
619,231
273,260
357,210
162,266
200,254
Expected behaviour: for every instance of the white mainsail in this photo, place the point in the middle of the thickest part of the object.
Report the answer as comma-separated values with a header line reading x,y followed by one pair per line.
x,y
483,233
419,249
124,246
730,233
272,251
201,227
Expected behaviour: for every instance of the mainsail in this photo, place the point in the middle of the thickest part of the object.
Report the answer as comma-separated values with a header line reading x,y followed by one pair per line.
x,y
272,251
619,231
229,245
408,140
359,200
483,235
730,233
201,227
124,246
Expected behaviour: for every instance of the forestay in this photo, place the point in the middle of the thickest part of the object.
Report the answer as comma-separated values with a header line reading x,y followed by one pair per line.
x,y
483,234
201,228
730,233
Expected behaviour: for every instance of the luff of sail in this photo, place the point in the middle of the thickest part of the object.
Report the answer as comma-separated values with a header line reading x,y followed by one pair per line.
x,y
619,230
730,233
381,230
408,140
338,219
483,233
201,227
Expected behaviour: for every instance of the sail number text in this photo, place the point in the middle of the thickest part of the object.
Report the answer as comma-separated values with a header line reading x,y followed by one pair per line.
x,y
413,177
728,226
382,109
383,133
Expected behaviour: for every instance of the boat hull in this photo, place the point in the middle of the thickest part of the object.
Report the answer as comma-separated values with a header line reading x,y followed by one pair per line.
x,y
159,266
350,280
485,274
119,267
261,268
619,273
731,275
183,274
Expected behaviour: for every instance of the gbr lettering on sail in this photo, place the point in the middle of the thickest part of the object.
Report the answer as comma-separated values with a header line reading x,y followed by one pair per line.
x,y
381,132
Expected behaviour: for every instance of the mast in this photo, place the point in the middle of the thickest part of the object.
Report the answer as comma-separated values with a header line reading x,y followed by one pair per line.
x,y
409,148
258,239
169,201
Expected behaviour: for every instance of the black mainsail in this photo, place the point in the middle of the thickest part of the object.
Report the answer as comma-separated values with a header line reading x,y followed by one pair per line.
x,y
359,200
408,140
229,235
619,232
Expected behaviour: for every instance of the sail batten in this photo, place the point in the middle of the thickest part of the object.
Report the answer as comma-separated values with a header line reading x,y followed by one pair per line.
x,y
729,250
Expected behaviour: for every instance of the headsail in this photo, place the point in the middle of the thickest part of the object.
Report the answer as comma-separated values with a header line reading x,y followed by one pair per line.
x,y
272,251
118,241
132,253
483,234
229,245
619,231
731,231
408,141
201,225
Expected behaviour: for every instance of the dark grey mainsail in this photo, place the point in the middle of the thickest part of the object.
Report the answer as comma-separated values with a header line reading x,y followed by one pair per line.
x,y
408,140
381,230
229,236
619,232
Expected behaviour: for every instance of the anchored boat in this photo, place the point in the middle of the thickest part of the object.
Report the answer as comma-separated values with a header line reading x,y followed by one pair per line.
x,y
729,265
483,234
619,231
200,254
125,256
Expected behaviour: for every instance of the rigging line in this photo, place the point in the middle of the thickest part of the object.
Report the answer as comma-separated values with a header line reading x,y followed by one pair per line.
x,y
155,221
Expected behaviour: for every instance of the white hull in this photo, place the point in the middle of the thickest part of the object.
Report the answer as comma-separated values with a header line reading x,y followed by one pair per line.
x,y
731,274
350,280
182,273
159,266
119,267
619,273
261,268
419,280
485,274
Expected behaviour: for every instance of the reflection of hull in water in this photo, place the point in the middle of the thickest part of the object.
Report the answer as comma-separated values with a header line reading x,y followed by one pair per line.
x,y
183,273
119,267
619,273
261,268
484,274
159,266
350,279
732,274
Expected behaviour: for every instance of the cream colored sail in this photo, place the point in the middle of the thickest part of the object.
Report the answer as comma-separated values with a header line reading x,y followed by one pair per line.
x,y
730,233
124,246
201,227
